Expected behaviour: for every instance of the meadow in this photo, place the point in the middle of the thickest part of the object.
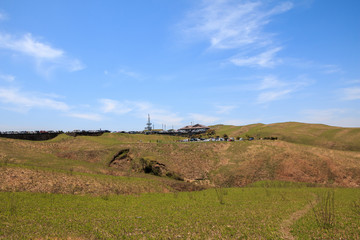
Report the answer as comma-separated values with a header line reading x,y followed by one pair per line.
x,y
255,212
305,185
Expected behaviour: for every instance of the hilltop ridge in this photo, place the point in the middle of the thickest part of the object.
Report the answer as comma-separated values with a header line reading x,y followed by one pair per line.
x,y
316,154
302,133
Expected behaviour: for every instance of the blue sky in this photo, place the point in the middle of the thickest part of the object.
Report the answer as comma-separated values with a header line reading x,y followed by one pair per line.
x,y
68,65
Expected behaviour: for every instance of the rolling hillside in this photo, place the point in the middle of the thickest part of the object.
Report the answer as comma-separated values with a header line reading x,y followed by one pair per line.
x,y
302,133
123,163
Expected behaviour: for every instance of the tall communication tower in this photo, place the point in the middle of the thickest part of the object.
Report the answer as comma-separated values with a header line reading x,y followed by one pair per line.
x,y
148,124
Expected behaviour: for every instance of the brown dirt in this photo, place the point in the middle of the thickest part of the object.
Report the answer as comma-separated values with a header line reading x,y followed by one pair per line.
x,y
228,163
16,179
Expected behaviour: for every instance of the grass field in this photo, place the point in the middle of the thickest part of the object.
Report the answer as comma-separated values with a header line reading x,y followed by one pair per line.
x,y
301,133
304,185
256,212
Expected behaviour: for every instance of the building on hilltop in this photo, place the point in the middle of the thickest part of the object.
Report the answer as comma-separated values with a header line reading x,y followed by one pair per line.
x,y
197,128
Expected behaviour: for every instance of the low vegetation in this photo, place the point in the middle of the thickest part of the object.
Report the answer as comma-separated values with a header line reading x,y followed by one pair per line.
x,y
302,133
133,186
241,213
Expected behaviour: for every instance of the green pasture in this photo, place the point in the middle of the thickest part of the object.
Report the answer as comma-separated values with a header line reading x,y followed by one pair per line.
x,y
295,132
256,212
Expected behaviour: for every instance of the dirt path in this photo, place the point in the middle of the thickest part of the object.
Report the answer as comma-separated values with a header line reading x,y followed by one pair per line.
x,y
285,227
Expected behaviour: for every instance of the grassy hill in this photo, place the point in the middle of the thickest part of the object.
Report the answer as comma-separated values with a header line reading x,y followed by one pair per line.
x,y
122,186
234,213
294,132
116,162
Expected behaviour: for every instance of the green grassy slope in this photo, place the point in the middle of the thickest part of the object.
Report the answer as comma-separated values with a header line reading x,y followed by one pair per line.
x,y
235,213
309,134
204,163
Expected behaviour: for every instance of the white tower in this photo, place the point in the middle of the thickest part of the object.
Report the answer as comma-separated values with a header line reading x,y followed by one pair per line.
x,y
148,124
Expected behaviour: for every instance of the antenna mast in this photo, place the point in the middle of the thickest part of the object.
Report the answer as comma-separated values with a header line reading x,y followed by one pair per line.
x,y
148,124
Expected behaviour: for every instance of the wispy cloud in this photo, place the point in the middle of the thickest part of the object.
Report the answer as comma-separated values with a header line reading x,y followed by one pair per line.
x,y
3,16
124,73
330,69
113,106
224,109
24,101
130,74
7,78
351,93
271,82
240,122
29,46
47,58
140,109
273,95
265,59
232,24
333,116
201,118
16,100
237,25
86,116
271,88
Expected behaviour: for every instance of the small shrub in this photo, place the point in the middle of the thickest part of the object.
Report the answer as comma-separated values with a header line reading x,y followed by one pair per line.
x,y
56,188
191,196
5,162
283,196
325,211
356,208
12,205
220,194
105,197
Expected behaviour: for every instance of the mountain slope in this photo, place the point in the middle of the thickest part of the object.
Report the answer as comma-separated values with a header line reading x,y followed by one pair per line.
x,y
162,161
309,134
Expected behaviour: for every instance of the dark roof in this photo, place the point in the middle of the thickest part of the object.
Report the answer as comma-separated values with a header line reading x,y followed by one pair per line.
x,y
193,127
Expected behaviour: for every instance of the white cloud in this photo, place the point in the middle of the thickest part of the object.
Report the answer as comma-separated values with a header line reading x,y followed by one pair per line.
x,y
354,81
140,109
237,25
232,24
333,117
224,109
47,58
112,106
321,115
270,82
265,59
272,89
3,16
7,78
163,116
203,119
19,101
24,101
269,96
241,122
124,74
86,116
330,69
129,73
351,93
29,46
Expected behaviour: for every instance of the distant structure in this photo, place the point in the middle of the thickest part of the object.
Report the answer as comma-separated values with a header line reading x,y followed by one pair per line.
x,y
197,128
148,124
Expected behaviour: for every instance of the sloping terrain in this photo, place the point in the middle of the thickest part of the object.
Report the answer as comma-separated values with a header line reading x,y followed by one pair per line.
x,y
308,134
120,163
